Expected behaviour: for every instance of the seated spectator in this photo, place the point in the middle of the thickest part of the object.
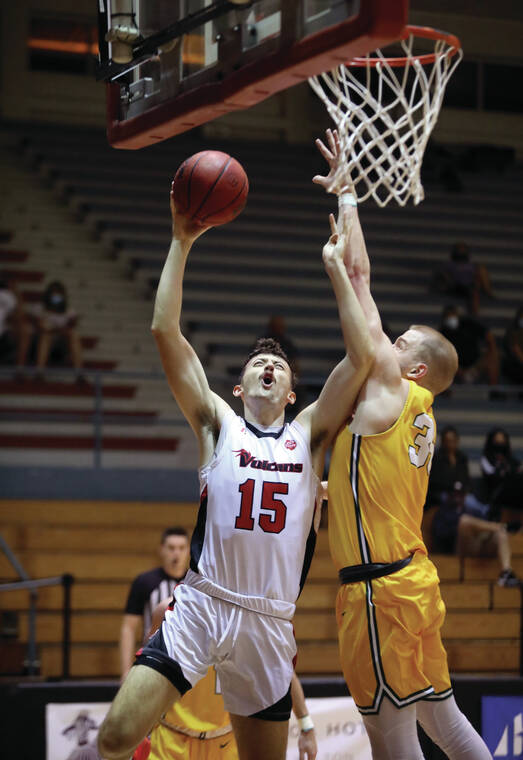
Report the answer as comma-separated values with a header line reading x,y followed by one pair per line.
x,y
460,525
56,330
461,277
15,329
450,474
502,474
513,348
478,355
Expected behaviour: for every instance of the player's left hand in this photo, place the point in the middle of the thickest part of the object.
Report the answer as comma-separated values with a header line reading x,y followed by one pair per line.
x,y
307,745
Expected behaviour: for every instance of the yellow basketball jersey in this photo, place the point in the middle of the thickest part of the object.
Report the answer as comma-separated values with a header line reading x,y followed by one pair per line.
x,y
201,708
378,484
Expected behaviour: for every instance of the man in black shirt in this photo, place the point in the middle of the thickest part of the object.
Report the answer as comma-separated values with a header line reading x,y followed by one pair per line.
x,y
150,588
475,344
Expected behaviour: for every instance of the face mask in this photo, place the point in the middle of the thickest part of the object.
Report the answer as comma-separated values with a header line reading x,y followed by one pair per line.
x,y
56,299
499,448
451,322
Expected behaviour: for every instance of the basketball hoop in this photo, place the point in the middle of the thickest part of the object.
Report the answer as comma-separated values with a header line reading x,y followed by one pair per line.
x,y
384,118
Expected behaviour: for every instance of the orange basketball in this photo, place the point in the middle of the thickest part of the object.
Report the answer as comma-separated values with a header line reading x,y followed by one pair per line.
x,y
210,187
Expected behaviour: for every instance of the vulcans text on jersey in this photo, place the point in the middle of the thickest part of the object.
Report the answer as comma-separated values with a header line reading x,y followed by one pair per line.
x,y
248,460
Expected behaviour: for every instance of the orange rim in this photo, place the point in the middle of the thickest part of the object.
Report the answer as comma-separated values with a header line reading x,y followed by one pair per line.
x,y
426,32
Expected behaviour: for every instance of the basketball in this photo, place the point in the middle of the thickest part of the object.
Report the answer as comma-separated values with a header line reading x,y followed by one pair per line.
x,y
210,187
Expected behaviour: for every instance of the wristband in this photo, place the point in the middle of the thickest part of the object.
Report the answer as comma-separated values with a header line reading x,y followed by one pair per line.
x,y
346,199
306,723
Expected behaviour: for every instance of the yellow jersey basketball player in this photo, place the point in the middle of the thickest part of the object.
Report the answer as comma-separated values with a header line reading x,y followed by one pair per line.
x,y
389,609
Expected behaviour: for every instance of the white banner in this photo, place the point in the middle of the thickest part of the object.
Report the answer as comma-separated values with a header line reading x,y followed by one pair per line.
x,y
339,730
71,730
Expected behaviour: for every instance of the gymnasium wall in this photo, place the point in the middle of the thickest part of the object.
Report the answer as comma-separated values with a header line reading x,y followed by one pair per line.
x,y
37,95
490,32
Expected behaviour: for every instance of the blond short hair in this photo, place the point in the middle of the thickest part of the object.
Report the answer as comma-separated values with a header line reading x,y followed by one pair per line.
x,y
439,355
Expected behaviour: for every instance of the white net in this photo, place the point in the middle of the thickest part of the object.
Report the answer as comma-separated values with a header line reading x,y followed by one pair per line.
x,y
384,115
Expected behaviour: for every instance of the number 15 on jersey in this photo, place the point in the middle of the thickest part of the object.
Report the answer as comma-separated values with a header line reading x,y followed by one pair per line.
x,y
273,517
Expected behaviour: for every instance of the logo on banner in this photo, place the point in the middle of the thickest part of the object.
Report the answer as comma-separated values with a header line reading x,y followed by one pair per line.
x,y
502,722
71,730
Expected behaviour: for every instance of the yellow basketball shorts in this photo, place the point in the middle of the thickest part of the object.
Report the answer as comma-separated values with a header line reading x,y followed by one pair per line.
x,y
167,744
389,637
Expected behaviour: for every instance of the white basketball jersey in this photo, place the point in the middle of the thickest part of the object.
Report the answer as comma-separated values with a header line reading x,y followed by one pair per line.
x,y
254,534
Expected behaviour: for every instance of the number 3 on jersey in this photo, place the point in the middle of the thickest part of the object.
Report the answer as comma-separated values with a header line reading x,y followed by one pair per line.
x,y
423,443
269,523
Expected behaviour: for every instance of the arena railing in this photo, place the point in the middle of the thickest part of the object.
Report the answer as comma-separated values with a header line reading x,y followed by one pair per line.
x,y
31,663
221,382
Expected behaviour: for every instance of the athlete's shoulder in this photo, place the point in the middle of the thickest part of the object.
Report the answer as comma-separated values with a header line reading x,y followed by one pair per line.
x,y
232,420
296,430
421,395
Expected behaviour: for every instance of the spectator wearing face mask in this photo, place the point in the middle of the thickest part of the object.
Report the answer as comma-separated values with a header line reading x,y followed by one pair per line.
x,y
56,329
475,344
513,348
462,277
502,474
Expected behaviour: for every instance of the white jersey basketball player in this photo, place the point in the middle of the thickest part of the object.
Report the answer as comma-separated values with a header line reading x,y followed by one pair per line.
x,y
254,536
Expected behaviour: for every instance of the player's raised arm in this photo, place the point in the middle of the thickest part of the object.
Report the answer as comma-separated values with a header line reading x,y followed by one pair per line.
x,y
202,408
356,257
343,384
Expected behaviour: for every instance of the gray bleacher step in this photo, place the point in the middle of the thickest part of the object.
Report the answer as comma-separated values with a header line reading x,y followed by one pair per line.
x,y
459,222
264,199
97,208
271,239
290,179
207,258
153,226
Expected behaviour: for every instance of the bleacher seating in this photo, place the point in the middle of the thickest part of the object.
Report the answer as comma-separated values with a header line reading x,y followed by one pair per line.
x,y
268,261
99,220
105,544
102,216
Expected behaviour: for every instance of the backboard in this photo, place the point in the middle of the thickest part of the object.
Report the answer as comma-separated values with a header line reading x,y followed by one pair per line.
x,y
171,65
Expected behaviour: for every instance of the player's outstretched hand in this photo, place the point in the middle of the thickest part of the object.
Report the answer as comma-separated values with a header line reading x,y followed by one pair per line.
x,y
335,247
183,228
335,181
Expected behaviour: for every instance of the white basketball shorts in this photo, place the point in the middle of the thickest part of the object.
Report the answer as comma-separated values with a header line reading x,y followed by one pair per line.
x,y
253,653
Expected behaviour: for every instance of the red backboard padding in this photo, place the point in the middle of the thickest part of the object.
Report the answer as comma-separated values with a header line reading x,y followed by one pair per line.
x,y
378,23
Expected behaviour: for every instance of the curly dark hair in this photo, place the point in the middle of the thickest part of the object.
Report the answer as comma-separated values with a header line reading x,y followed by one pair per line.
x,y
269,346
